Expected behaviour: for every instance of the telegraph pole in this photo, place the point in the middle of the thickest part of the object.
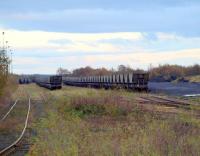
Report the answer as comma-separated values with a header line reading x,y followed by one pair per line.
x,y
11,62
3,33
6,49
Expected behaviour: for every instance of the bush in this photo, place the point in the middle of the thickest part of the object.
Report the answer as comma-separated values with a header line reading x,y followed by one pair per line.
x,y
7,87
96,122
110,105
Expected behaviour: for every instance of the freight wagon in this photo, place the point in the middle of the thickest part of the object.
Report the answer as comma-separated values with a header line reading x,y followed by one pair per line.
x,y
49,81
133,81
24,80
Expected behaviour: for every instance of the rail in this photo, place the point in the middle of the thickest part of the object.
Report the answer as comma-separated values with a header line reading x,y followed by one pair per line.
x,y
15,143
5,116
166,102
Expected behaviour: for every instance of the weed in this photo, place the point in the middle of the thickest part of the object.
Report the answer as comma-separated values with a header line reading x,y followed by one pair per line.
x,y
97,122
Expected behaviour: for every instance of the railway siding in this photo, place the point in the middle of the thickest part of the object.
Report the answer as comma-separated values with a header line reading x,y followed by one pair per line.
x,y
5,116
15,144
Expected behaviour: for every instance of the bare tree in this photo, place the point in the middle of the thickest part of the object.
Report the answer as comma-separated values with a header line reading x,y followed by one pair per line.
x,y
62,71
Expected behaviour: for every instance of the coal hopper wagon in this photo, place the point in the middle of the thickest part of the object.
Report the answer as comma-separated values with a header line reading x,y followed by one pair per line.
x,y
49,81
132,81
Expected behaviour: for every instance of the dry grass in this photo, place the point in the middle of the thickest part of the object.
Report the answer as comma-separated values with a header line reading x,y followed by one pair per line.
x,y
12,126
96,122
7,91
195,79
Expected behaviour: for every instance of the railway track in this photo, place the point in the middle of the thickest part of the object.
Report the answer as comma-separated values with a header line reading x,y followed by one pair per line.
x,y
14,146
11,108
165,101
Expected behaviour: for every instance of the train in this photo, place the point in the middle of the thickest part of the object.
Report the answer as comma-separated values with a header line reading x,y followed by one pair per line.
x,y
132,81
49,81
24,80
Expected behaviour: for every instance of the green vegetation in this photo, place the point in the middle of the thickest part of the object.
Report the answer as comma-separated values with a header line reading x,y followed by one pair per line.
x,y
6,79
81,121
4,68
8,88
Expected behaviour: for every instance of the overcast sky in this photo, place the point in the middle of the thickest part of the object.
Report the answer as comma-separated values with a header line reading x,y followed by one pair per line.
x,y
47,34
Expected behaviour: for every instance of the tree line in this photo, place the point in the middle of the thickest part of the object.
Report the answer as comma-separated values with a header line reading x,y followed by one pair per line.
x,y
160,73
89,71
172,72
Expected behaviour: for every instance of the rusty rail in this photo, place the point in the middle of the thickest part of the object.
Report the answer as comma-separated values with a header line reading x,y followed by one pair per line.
x,y
5,116
166,102
13,146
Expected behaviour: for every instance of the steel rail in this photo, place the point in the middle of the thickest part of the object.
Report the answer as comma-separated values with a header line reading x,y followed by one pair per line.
x,y
173,100
165,102
5,116
14,144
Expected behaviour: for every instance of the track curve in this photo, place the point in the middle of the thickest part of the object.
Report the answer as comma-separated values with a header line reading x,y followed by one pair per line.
x,y
14,145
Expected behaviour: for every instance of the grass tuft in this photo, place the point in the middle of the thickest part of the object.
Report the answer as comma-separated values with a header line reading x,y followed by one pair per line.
x,y
97,122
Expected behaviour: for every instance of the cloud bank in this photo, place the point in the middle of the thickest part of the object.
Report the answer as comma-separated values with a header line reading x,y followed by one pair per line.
x,y
44,52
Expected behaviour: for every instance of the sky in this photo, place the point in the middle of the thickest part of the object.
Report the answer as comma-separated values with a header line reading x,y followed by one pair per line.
x,y
48,34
